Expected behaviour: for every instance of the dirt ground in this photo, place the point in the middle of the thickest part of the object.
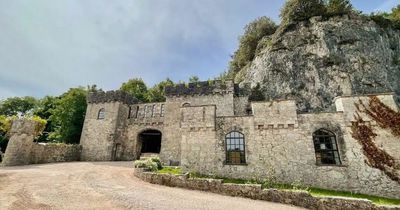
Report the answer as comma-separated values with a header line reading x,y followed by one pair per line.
x,y
103,185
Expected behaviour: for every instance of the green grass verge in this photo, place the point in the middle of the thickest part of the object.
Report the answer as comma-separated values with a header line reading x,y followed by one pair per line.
x,y
170,170
317,192
375,199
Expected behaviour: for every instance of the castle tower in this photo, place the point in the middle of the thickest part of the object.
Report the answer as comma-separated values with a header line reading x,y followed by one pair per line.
x,y
19,147
104,125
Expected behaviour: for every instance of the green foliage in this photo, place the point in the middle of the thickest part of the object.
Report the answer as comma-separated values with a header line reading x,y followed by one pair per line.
x,y
149,164
17,106
43,110
136,87
5,125
386,20
339,7
156,93
256,94
170,170
193,79
375,199
41,124
248,43
68,116
299,10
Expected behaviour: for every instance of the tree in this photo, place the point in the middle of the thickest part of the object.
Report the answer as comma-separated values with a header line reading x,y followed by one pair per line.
x,y
136,87
68,116
5,125
248,42
17,106
44,110
156,93
339,7
193,79
299,10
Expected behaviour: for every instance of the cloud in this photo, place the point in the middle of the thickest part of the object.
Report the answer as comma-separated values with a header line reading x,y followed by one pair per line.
x,y
49,46
387,5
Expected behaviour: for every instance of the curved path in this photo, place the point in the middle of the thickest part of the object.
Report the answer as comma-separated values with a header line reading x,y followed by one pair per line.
x,y
103,185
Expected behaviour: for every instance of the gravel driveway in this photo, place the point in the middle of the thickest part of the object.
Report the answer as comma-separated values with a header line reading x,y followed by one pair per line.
x,y
104,185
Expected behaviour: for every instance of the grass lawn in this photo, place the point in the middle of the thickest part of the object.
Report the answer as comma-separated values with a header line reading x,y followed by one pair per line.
x,y
170,170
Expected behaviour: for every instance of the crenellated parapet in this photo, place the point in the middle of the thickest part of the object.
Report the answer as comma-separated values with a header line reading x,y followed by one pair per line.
x,y
202,88
111,96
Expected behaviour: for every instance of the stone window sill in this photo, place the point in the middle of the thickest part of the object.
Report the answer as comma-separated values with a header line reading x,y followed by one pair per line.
x,y
235,164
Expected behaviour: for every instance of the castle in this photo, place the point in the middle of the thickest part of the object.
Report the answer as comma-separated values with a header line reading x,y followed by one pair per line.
x,y
213,129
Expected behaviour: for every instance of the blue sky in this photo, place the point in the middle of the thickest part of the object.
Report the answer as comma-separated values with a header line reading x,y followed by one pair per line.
x,y
48,46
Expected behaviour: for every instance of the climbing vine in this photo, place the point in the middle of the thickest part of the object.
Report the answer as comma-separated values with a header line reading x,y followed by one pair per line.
x,y
363,133
383,115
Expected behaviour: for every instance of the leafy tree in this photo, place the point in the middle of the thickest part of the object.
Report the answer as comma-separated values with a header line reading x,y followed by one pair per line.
x,y
156,93
395,16
248,42
339,7
68,116
193,79
5,125
136,87
44,110
17,106
299,10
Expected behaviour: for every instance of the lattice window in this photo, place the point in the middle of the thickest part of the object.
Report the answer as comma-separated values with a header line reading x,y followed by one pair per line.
x,y
101,114
235,148
326,148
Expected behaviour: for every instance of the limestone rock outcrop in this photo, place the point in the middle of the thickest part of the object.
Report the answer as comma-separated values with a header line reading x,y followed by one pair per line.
x,y
316,60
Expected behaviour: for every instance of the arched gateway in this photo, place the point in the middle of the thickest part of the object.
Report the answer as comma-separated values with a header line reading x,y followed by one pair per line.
x,y
149,141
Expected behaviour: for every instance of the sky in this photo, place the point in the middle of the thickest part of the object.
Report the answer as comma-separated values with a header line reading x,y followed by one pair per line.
x,y
49,46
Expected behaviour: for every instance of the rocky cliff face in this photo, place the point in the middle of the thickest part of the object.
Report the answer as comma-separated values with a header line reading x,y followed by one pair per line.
x,y
317,60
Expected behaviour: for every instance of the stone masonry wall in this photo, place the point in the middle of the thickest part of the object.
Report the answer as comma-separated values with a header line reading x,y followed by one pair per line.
x,y
279,146
20,145
50,153
254,191
98,135
22,150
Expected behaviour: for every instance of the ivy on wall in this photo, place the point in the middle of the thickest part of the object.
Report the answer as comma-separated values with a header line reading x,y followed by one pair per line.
x,y
363,133
383,115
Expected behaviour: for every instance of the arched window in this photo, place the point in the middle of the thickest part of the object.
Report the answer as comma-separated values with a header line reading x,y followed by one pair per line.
x,y
102,114
326,147
235,148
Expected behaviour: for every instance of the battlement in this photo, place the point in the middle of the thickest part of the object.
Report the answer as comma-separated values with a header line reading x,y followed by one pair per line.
x,y
202,88
111,96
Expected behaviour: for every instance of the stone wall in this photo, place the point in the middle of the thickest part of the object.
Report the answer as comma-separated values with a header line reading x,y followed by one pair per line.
x,y
51,153
20,145
279,146
99,135
22,150
254,191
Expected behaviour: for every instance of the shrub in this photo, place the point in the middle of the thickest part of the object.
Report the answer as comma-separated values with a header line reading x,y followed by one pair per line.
x,y
150,164
339,7
248,43
299,10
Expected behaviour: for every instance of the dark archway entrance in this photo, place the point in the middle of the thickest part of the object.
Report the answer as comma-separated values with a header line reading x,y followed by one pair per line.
x,y
150,141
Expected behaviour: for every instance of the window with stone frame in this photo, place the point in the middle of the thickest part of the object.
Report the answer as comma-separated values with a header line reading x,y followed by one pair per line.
x,y
326,148
101,114
235,148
